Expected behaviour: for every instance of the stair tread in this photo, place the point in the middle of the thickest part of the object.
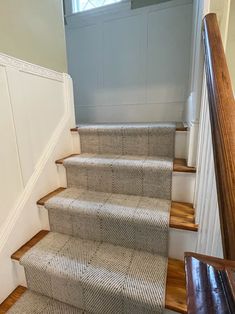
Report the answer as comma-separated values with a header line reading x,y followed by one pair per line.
x,y
182,215
28,245
127,220
179,164
12,299
94,160
179,125
29,302
45,198
175,288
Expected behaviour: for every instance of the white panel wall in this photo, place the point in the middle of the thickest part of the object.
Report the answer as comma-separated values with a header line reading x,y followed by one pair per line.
x,y
37,113
206,203
11,181
130,65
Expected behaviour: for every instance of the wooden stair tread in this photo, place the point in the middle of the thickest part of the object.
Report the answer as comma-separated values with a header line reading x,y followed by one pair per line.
x,y
175,287
182,215
180,164
28,245
45,198
61,160
11,299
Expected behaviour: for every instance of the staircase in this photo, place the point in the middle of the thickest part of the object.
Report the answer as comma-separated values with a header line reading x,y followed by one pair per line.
x,y
113,228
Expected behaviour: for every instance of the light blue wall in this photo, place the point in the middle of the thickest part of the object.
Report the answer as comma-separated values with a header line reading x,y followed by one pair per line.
x,y
130,65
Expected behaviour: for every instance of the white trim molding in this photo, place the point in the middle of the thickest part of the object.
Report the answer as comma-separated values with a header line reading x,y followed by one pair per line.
x,y
192,143
27,67
38,112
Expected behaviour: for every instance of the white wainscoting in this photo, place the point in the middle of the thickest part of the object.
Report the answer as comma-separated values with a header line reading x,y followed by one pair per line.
x,y
130,65
37,113
206,203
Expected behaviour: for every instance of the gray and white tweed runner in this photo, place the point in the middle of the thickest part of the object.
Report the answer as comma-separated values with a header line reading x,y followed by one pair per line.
x,y
134,175
152,139
35,303
96,277
108,246
132,221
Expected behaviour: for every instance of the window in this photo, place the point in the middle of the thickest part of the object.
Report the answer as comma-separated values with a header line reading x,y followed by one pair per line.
x,y
84,5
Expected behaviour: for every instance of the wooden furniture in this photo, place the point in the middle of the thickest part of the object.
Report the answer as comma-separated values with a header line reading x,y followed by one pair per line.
x,y
222,117
210,284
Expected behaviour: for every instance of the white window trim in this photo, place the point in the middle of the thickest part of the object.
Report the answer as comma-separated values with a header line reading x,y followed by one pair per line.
x,y
106,8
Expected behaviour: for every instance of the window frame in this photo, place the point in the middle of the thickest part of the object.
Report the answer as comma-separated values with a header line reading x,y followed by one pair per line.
x,y
94,10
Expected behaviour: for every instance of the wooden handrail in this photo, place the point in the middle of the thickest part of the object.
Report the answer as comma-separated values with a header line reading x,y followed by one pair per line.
x,y
210,284
222,117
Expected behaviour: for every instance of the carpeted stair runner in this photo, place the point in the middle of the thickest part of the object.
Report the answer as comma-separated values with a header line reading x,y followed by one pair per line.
x,y
131,221
97,277
34,303
107,252
129,139
134,175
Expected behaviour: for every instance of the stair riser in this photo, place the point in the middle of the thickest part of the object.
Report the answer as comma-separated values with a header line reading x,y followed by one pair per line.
x,y
125,233
150,182
179,241
182,185
180,143
128,140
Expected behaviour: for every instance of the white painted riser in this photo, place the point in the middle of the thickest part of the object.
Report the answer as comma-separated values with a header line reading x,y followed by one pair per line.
x,y
181,144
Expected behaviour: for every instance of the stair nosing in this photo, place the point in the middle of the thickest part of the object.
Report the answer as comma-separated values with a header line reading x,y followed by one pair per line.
x,y
178,129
